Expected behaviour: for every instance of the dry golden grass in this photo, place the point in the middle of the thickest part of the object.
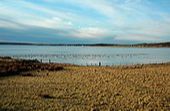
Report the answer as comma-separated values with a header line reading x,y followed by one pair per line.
x,y
89,89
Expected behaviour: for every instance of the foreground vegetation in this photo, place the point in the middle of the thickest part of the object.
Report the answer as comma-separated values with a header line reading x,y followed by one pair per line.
x,y
140,87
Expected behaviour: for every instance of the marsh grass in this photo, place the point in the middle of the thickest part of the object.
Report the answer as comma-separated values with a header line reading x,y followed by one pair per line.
x,y
79,88
11,67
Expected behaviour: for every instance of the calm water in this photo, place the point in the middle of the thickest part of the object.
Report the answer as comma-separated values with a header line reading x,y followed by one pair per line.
x,y
88,55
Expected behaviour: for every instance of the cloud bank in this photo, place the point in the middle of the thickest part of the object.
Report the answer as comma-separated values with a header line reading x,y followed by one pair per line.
x,y
73,21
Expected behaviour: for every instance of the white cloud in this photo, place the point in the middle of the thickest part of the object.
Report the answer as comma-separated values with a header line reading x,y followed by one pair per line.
x,y
129,20
91,32
5,24
138,37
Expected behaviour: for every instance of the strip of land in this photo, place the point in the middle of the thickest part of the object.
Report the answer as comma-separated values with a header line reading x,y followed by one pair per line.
x,y
159,45
31,85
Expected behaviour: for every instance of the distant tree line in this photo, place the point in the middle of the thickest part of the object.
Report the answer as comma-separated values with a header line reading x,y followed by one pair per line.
x,y
164,44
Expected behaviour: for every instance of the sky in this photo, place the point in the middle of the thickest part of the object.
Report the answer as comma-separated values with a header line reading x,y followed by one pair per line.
x,y
85,21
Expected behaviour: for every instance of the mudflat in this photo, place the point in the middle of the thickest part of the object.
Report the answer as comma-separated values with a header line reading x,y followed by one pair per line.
x,y
26,85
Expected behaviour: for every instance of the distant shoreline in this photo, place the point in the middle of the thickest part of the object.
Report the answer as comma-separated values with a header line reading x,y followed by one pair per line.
x,y
141,45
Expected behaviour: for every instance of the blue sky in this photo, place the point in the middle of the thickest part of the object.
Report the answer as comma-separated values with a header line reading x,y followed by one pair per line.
x,y
85,21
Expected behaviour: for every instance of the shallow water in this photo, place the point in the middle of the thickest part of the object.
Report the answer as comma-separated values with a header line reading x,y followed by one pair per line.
x,y
88,55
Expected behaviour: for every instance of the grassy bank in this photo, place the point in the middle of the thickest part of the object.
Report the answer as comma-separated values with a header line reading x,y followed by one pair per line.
x,y
142,87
